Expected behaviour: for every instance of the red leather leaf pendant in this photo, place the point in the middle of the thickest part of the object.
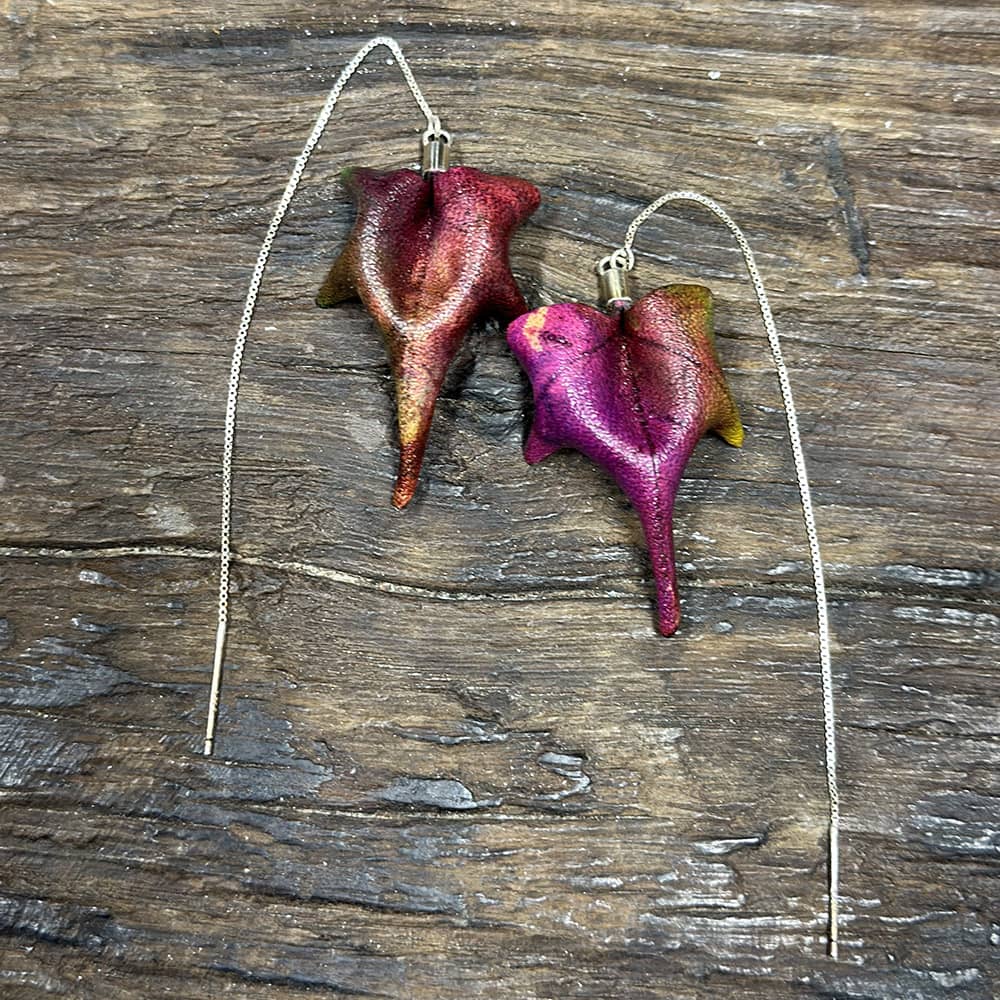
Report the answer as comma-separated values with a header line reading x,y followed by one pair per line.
x,y
428,258
633,390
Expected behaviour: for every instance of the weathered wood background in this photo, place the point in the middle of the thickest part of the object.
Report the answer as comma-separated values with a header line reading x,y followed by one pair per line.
x,y
455,759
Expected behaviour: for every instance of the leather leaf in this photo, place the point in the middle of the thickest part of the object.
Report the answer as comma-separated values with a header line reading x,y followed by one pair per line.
x,y
633,390
428,258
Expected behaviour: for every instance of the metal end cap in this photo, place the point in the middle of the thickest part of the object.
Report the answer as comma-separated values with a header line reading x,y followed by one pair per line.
x,y
435,151
612,279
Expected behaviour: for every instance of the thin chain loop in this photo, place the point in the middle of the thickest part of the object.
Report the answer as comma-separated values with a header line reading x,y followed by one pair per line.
x,y
239,347
819,583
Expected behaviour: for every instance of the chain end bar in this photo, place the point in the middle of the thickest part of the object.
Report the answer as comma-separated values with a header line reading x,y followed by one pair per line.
x,y
213,697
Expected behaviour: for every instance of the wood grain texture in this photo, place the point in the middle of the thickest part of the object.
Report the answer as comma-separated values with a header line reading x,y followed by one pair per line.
x,y
455,760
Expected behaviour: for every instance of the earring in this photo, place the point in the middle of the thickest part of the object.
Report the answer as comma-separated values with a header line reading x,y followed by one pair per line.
x,y
634,388
428,257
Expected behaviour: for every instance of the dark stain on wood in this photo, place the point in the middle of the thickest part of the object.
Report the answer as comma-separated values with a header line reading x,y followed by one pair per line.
x,y
455,760
837,173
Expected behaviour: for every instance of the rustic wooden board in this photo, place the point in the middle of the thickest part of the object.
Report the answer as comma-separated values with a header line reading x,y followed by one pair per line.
x,y
455,759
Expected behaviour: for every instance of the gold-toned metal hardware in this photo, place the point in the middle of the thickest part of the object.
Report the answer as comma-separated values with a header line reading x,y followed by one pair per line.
x,y
436,149
612,281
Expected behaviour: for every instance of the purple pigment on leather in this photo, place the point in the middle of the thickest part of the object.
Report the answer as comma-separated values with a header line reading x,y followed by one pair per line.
x,y
633,390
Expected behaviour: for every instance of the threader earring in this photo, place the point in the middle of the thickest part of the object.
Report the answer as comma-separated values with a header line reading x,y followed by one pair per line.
x,y
428,257
634,388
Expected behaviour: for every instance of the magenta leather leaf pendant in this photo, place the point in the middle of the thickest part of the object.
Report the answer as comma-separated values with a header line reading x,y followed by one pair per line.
x,y
428,258
633,390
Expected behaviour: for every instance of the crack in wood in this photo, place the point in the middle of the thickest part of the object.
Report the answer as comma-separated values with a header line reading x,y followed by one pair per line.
x,y
784,587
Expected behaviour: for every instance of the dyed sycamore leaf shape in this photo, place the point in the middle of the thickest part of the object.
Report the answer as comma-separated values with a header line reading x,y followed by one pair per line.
x,y
633,390
428,258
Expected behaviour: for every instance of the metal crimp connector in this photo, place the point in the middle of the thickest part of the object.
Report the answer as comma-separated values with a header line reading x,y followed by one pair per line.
x,y
436,147
612,279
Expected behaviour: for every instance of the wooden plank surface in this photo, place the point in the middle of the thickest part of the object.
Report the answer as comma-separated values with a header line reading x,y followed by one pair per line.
x,y
456,761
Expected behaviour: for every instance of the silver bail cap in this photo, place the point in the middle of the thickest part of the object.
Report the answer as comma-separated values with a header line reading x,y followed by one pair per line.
x,y
436,146
612,279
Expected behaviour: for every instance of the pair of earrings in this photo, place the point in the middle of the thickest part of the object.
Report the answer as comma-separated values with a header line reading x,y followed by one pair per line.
x,y
633,386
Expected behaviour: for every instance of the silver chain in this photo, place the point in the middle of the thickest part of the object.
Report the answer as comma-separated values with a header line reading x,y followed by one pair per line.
x,y
225,553
626,258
